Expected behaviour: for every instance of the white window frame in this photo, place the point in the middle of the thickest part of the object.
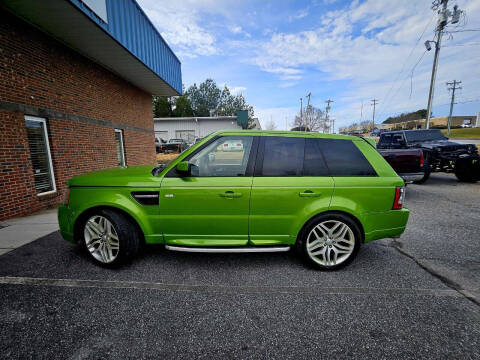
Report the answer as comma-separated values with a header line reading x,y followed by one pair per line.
x,y
121,144
50,163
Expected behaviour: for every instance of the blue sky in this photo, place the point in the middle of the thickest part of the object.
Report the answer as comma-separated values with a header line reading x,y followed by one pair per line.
x,y
274,52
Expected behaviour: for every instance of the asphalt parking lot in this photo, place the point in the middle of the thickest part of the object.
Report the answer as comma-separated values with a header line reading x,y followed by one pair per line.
x,y
414,297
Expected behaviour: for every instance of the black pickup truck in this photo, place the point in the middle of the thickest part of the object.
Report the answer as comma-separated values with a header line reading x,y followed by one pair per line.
x,y
440,154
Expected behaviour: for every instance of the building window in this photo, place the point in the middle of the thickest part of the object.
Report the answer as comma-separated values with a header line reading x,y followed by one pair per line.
x,y
40,155
120,147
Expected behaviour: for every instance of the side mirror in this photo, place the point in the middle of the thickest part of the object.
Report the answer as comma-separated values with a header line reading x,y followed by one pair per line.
x,y
183,167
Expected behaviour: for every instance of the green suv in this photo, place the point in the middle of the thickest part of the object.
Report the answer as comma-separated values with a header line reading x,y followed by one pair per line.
x,y
242,191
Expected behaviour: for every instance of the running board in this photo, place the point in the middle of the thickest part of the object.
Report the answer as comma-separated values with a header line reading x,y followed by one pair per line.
x,y
228,250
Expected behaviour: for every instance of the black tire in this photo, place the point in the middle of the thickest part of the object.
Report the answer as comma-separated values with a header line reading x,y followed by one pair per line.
x,y
423,179
127,232
467,170
302,240
426,170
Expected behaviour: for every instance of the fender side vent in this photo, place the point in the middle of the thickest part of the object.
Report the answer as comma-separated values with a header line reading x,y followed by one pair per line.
x,y
146,197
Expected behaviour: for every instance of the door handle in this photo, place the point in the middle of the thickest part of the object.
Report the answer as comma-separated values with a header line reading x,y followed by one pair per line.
x,y
231,195
309,193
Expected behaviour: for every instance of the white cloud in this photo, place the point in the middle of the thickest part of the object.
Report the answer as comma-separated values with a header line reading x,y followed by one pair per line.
x,y
178,22
237,30
299,15
368,44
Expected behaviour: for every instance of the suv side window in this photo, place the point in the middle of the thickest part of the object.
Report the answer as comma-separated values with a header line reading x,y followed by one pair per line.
x,y
314,164
283,156
344,158
225,156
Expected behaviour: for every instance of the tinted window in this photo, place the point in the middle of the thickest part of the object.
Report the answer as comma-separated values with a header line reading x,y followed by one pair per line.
x,y
314,165
424,135
226,156
283,156
397,139
386,139
344,158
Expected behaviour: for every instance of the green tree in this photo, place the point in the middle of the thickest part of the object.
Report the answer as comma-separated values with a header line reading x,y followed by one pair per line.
x,y
162,106
183,108
205,99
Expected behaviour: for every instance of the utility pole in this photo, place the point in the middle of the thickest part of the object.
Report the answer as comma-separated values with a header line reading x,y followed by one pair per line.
x,y
327,109
308,110
374,103
453,87
443,18
361,112
301,111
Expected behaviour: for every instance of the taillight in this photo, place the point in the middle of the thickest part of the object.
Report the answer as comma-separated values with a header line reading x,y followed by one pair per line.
x,y
399,197
422,158
66,198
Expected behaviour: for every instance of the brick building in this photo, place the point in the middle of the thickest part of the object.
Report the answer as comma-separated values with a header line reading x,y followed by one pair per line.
x,y
76,82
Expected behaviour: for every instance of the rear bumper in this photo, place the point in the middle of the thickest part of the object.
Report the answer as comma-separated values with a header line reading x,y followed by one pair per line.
x,y
385,224
411,177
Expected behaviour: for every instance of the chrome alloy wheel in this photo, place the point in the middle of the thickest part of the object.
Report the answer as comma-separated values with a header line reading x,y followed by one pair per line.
x,y
101,239
330,243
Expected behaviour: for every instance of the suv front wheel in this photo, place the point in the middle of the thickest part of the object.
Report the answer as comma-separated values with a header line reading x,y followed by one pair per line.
x,y
329,241
110,238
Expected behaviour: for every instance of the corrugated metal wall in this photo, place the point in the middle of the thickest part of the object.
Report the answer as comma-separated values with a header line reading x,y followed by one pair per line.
x,y
168,129
128,24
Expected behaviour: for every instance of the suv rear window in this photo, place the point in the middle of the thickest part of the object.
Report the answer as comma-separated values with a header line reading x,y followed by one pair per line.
x,y
344,158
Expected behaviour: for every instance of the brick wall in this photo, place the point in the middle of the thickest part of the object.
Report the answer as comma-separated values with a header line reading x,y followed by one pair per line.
x,y
83,103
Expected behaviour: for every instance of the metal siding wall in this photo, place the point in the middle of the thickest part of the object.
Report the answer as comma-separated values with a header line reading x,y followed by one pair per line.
x,y
202,128
128,25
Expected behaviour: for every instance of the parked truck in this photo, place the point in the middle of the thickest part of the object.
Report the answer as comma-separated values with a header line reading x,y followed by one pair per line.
x,y
440,154
172,146
407,163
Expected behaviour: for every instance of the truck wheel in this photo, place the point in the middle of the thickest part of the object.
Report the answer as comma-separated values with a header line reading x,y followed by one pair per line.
x,y
110,238
467,170
423,179
427,171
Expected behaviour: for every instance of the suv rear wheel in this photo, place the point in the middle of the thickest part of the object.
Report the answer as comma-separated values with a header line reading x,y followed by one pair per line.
x,y
109,237
329,241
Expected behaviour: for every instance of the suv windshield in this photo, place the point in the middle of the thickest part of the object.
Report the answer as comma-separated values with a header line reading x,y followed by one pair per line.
x,y
175,141
424,135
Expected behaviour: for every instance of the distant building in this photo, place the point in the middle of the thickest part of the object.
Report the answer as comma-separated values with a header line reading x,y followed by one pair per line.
x,y
190,128
438,122
76,85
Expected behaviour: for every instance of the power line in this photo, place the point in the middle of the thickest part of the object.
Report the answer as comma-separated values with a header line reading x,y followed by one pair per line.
x,y
386,99
465,44
464,30
401,84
